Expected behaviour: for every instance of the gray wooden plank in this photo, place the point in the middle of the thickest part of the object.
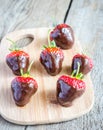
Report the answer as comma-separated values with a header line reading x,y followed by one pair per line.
x,y
4,125
19,14
86,18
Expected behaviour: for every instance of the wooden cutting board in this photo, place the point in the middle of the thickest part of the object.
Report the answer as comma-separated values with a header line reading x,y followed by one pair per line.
x,y
43,107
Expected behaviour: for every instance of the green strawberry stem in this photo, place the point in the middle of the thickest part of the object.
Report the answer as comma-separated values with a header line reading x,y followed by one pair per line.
x,y
21,72
29,68
45,46
78,75
54,22
51,43
49,36
27,74
10,40
14,46
74,71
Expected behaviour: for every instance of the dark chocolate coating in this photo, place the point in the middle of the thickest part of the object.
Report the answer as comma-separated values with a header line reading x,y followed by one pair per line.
x,y
66,93
63,37
22,92
84,65
52,63
18,62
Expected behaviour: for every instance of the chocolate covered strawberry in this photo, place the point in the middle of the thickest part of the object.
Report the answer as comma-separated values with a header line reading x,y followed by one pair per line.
x,y
23,87
17,59
63,35
69,88
86,63
51,58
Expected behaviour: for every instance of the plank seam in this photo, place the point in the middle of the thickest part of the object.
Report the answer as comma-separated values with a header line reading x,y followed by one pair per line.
x,y
26,127
68,10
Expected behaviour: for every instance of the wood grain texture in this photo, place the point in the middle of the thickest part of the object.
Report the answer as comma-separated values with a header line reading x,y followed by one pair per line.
x,y
85,15
44,103
17,14
86,18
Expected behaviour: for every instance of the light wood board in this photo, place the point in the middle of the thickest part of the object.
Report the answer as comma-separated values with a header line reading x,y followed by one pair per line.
x,y
43,107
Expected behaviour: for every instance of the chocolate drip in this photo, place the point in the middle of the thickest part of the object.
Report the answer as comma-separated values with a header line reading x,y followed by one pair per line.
x,y
22,92
17,63
63,37
66,93
52,63
84,65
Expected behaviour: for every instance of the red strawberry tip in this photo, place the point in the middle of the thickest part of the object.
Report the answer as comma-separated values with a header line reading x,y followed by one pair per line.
x,y
74,82
23,79
62,25
55,50
17,53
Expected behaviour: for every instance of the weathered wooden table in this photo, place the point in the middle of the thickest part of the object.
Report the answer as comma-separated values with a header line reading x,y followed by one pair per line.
x,y
86,18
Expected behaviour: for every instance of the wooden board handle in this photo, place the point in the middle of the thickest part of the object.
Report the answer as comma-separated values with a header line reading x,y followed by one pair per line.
x,y
42,103
20,34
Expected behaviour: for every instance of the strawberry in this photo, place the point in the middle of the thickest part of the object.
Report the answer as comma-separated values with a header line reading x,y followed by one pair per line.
x,y
63,35
23,87
86,63
69,88
17,59
51,58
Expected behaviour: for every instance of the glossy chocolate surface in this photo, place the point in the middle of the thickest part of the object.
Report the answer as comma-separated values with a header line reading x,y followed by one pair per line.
x,y
84,65
63,37
22,92
66,93
18,62
52,63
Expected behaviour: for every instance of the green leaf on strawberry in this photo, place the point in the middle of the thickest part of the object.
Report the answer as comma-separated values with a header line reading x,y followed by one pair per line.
x,y
52,57
70,87
17,59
